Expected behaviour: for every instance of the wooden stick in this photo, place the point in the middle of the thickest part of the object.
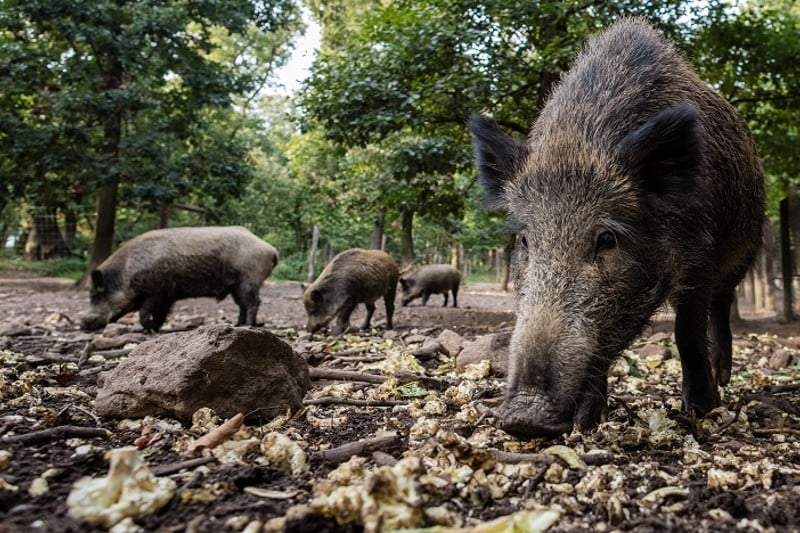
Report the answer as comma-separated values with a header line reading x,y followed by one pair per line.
x,y
349,401
359,447
349,375
173,468
114,354
344,375
546,458
58,432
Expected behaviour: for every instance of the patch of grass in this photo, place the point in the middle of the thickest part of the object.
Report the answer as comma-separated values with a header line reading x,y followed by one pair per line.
x,y
482,276
64,267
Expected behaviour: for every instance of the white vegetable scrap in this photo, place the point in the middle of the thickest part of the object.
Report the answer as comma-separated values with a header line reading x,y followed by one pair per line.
x,y
283,452
129,490
383,499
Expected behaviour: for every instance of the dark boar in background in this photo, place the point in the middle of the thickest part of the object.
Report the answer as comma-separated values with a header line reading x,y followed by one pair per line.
x,y
431,279
354,276
637,185
150,272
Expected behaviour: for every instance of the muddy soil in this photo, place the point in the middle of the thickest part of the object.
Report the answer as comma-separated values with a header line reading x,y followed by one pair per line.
x,y
738,469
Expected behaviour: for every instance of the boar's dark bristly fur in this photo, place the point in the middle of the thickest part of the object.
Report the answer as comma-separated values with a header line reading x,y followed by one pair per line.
x,y
637,185
152,271
431,279
352,277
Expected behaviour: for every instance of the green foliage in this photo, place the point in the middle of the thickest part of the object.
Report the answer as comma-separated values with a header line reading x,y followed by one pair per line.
x,y
750,56
65,267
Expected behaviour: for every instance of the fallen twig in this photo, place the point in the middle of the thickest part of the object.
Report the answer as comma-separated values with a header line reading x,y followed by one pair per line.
x,y
58,432
359,359
84,356
217,436
546,458
114,354
359,447
49,358
349,401
349,375
789,387
166,470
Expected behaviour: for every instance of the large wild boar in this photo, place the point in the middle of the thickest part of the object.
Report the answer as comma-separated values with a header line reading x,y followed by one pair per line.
x,y
637,185
354,276
431,279
150,272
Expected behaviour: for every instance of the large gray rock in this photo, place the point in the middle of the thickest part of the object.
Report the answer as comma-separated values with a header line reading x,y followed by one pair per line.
x,y
492,347
231,370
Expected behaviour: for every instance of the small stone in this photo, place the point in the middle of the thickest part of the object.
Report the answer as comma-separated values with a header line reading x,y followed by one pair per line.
x,y
492,348
780,359
654,351
451,341
118,341
660,337
14,330
415,339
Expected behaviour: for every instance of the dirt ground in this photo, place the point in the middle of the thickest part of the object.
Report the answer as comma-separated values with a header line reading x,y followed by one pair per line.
x,y
646,468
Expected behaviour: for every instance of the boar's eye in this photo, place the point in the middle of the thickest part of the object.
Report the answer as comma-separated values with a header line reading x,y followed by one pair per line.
x,y
522,241
606,240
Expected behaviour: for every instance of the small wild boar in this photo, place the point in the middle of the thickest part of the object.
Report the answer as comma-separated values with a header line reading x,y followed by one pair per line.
x,y
354,276
431,279
637,185
150,272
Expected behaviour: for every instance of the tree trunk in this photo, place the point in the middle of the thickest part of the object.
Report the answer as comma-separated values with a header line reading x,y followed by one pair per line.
x,y
164,212
735,316
507,249
379,225
107,194
70,227
45,240
407,221
786,261
769,270
312,254
455,258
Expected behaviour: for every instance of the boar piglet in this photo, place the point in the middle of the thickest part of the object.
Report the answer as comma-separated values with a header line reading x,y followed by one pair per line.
x,y
431,279
152,271
354,276
637,185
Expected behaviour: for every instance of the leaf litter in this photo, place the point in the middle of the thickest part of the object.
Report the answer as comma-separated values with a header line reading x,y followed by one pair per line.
x,y
647,464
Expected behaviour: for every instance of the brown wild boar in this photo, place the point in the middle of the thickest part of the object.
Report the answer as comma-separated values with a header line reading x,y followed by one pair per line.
x,y
152,271
431,279
637,185
354,276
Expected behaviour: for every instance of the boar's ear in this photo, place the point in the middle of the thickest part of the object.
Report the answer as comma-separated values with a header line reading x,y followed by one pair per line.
x,y
98,282
665,153
303,288
497,156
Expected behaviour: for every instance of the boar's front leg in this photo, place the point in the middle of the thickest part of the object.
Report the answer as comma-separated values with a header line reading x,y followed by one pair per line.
x,y
247,298
154,312
388,300
370,310
445,298
691,334
721,339
342,323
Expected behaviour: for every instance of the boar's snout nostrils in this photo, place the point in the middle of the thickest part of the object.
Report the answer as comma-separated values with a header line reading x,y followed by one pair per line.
x,y
533,415
91,322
